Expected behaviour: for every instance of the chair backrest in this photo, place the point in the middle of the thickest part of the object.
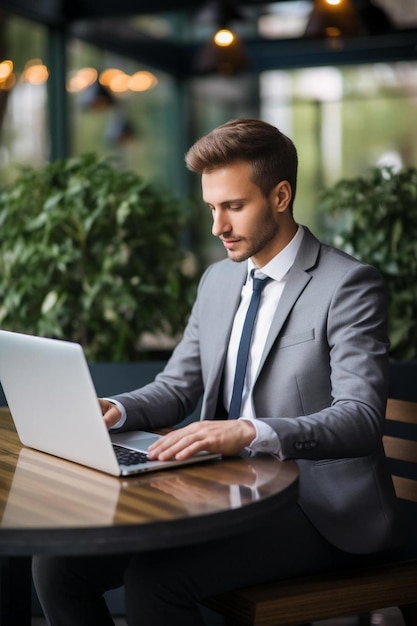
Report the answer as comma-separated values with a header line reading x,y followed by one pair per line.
x,y
400,443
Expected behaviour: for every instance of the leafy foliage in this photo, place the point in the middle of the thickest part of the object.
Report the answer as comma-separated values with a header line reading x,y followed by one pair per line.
x,y
374,217
91,254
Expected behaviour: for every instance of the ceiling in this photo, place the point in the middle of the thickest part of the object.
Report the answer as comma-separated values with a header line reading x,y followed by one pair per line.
x,y
391,32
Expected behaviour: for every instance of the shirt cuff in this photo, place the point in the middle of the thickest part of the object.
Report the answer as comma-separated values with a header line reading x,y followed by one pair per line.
x,y
122,410
266,439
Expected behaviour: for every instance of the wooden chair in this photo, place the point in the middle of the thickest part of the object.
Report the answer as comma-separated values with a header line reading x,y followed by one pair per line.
x,y
356,591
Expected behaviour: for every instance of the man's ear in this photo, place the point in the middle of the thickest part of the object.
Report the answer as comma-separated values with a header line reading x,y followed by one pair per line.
x,y
282,194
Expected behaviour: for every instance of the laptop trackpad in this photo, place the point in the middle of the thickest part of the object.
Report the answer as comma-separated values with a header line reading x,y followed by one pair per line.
x,y
135,439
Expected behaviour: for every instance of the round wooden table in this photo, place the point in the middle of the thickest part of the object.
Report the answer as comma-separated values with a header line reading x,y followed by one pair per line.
x,y
52,506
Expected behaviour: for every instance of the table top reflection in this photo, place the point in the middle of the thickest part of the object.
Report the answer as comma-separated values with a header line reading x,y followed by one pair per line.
x,y
52,506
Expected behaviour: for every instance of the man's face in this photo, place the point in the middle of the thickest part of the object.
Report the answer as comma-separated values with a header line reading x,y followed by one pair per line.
x,y
247,223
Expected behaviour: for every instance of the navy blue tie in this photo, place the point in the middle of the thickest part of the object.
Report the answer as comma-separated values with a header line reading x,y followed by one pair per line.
x,y
244,346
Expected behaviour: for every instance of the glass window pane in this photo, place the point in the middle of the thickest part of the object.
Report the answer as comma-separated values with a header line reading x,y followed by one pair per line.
x,y
23,95
343,120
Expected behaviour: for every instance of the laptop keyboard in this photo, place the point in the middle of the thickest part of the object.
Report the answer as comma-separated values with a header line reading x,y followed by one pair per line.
x,y
125,456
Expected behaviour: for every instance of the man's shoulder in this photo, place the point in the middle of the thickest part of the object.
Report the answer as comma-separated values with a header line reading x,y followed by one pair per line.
x,y
325,257
337,267
221,280
225,269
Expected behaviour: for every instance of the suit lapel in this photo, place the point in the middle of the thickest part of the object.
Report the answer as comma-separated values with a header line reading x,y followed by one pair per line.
x,y
229,300
297,279
227,303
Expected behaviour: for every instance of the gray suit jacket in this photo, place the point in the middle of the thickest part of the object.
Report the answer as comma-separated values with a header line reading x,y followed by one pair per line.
x,y
321,385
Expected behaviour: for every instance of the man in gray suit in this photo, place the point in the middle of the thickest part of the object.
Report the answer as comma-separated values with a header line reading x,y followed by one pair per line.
x,y
314,390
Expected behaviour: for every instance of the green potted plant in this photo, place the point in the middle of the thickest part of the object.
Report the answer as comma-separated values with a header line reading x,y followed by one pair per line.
x,y
374,217
91,253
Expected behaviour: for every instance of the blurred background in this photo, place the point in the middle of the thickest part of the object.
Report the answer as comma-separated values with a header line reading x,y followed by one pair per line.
x,y
143,80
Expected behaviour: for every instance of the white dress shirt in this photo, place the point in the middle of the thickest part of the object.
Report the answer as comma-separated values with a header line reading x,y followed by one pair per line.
x,y
266,439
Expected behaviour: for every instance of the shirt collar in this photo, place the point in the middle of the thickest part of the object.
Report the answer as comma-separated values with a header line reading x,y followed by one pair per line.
x,y
278,267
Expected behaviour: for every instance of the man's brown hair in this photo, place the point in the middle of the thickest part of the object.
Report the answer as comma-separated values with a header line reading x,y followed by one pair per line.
x,y
271,154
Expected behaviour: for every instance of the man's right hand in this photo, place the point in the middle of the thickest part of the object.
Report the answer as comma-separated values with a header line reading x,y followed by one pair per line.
x,y
111,413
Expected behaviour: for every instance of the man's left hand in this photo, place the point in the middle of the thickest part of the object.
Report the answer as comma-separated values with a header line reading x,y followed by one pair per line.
x,y
226,437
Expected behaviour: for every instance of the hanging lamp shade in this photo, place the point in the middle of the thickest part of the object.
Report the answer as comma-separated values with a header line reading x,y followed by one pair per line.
x,y
224,53
214,58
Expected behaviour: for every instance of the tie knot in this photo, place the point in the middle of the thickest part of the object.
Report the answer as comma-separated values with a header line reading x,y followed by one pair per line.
x,y
259,283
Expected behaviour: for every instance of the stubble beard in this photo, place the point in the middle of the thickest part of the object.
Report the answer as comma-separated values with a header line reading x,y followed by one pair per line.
x,y
269,231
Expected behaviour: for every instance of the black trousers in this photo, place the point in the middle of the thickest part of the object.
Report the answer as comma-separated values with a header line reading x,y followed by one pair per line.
x,y
164,587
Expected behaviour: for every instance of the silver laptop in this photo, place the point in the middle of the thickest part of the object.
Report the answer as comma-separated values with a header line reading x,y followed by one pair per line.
x,y
54,406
